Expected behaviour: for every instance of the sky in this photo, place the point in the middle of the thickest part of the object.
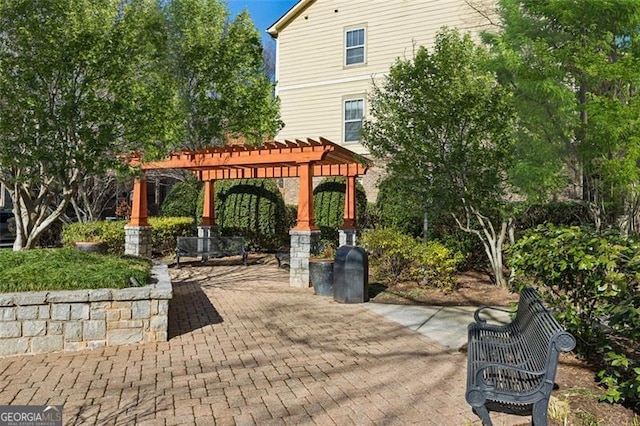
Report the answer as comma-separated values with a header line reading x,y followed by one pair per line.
x,y
263,12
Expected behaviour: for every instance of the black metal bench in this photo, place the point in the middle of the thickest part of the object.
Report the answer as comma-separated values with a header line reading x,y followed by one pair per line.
x,y
206,247
511,368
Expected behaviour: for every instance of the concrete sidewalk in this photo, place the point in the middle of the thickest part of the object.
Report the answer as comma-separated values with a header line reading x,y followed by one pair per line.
x,y
446,325
246,349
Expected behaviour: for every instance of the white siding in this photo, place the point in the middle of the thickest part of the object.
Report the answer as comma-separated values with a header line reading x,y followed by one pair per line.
x,y
312,79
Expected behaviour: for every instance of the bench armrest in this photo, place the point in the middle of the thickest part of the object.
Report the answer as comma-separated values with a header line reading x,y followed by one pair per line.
x,y
479,372
476,314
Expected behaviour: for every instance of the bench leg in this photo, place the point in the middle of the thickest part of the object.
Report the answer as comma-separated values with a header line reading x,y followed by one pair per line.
x,y
483,413
539,413
245,259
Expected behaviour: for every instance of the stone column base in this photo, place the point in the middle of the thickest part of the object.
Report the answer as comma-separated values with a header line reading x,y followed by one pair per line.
x,y
348,237
205,232
301,244
137,241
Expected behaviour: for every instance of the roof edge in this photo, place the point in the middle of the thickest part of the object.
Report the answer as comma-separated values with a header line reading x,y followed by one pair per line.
x,y
291,14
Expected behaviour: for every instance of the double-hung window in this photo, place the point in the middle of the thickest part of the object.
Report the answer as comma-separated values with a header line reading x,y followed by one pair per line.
x,y
353,115
354,46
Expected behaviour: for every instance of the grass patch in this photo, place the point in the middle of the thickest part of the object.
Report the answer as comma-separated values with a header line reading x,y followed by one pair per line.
x,y
68,269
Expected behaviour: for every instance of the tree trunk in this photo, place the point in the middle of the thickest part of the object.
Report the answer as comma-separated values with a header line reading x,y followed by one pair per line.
x,y
34,214
492,241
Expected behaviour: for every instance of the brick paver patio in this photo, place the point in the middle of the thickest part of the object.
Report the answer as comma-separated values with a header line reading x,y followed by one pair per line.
x,y
247,349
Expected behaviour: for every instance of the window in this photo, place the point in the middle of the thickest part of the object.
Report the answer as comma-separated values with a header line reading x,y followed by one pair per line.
x,y
353,115
354,47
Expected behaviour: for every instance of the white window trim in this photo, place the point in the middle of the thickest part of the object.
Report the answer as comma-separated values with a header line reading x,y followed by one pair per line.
x,y
344,118
364,46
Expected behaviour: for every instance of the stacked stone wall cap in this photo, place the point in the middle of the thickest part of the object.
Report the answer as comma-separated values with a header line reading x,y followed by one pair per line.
x,y
132,293
7,299
30,298
72,296
100,295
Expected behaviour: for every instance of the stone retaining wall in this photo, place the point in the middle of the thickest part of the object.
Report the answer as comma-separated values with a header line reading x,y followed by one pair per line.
x,y
50,321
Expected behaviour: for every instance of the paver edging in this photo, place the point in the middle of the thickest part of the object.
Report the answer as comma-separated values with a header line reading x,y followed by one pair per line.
x,y
52,321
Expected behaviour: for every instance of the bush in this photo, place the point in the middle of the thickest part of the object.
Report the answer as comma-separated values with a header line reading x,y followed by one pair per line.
x,y
292,216
400,257
328,206
111,233
163,233
590,279
399,210
182,199
560,213
253,209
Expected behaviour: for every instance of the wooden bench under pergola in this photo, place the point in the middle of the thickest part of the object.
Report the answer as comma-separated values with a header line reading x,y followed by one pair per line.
x,y
302,159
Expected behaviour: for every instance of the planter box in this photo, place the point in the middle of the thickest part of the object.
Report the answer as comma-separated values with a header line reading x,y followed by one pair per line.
x,y
51,321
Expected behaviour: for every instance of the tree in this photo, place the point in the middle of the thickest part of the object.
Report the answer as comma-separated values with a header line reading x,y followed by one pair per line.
x,y
447,130
218,69
80,82
575,69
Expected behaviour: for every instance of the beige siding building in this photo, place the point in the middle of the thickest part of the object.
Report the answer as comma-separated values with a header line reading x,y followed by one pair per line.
x,y
331,52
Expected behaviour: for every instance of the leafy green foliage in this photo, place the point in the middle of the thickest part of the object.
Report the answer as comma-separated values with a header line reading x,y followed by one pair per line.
x,y
68,269
560,213
80,82
397,257
398,209
591,280
250,208
218,72
448,131
328,205
182,199
164,231
574,67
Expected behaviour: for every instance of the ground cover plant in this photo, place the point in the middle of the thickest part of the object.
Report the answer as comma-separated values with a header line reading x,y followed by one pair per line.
x,y
68,269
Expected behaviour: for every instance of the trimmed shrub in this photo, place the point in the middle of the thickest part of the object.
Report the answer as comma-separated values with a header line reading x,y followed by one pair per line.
x,y
181,201
328,203
292,216
109,232
163,233
590,280
400,257
253,209
165,230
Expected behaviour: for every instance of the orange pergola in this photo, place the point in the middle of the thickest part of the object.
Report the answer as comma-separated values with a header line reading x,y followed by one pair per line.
x,y
299,158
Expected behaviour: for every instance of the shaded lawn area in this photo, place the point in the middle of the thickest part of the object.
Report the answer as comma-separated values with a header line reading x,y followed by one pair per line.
x,y
68,269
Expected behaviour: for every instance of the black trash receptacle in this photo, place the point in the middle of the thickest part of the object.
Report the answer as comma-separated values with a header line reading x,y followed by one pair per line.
x,y
351,275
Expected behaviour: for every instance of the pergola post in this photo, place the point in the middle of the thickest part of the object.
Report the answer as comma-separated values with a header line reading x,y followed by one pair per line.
x,y
207,227
138,231
305,234
348,232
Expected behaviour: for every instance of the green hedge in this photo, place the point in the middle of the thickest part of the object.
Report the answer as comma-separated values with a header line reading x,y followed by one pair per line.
x,y
163,233
328,203
591,281
253,209
400,257
182,199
